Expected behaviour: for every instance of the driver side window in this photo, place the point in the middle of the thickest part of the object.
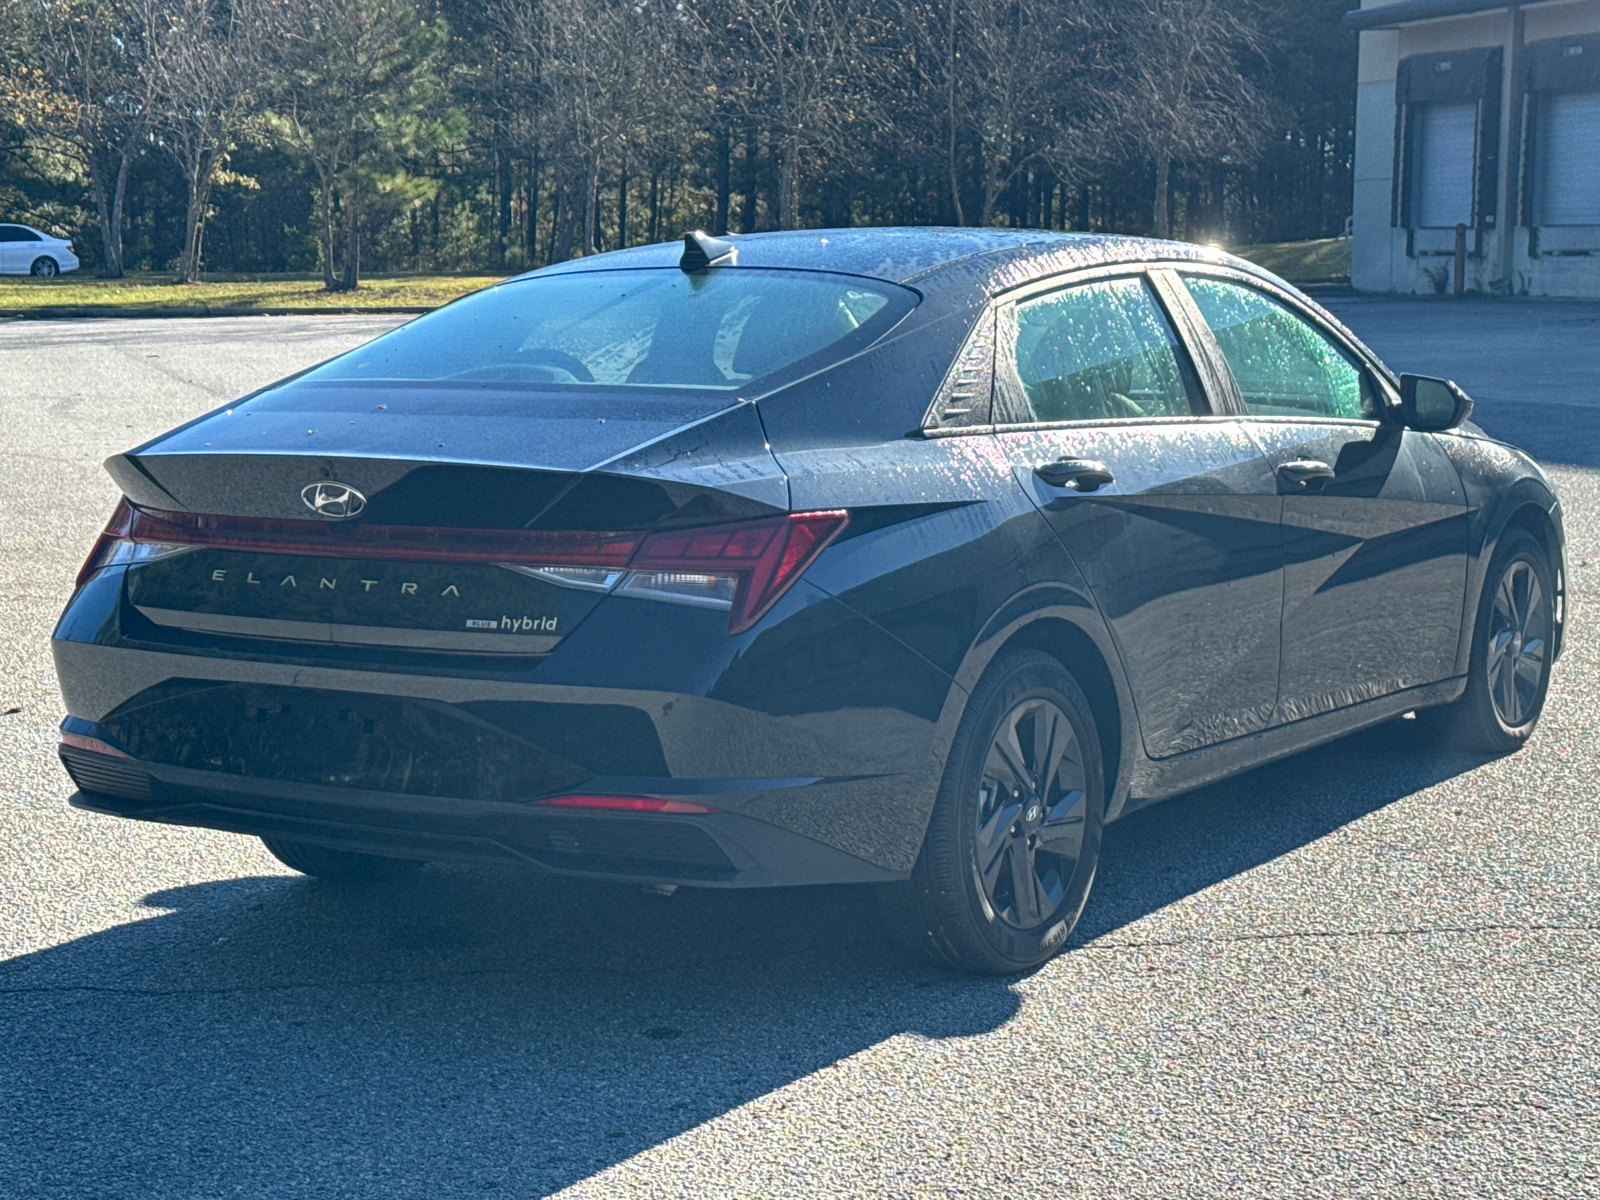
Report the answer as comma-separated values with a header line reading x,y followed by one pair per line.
x,y
1101,351
1284,367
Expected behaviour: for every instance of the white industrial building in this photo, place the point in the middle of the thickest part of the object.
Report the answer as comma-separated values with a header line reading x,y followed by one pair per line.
x,y
1485,115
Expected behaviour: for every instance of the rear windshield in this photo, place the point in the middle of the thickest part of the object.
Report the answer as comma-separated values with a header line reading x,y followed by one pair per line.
x,y
715,331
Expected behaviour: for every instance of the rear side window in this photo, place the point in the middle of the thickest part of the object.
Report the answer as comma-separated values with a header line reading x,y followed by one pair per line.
x,y
12,233
1284,366
1097,352
620,329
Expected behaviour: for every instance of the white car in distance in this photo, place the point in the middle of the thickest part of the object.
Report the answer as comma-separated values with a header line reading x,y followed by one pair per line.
x,y
25,250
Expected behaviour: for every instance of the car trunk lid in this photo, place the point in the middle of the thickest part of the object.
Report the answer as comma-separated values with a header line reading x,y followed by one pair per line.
x,y
461,526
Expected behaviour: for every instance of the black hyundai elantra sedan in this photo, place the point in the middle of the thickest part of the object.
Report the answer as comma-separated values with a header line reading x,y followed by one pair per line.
x,y
892,556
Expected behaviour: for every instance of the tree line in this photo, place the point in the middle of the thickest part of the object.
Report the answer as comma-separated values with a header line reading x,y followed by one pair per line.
x,y
351,135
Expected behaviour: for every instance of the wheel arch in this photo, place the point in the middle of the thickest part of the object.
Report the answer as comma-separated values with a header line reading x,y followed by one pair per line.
x,y
1531,508
1074,649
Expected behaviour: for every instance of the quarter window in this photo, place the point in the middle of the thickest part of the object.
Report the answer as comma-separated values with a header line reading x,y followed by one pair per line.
x,y
1102,351
1284,366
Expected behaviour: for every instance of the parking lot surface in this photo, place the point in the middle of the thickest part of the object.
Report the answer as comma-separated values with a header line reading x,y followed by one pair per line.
x,y
1368,970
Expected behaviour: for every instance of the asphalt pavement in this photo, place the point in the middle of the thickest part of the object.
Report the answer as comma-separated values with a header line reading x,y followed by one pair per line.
x,y
1368,970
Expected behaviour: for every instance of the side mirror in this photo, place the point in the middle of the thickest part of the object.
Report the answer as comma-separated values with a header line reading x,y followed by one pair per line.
x,y
1429,404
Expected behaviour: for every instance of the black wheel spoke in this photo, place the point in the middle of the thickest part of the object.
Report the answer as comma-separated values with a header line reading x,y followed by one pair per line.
x,y
1024,885
1008,748
1063,838
1505,604
1498,645
1062,831
994,830
1051,733
990,862
1505,692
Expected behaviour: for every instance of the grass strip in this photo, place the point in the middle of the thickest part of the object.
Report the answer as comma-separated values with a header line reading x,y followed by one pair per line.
x,y
1320,260
150,293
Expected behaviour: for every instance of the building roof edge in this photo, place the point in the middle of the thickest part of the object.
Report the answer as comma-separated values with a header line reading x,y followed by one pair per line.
x,y
1403,12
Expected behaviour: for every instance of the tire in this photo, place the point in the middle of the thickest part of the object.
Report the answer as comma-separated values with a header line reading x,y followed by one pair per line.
x,y
338,866
968,903
1509,675
44,267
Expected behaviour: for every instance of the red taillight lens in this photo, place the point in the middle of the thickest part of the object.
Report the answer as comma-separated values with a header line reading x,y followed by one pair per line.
x,y
105,545
93,745
645,804
765,557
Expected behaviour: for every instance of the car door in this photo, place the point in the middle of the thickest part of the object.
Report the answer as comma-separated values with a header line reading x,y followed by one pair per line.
x,y
1374,515
10,246
1169,511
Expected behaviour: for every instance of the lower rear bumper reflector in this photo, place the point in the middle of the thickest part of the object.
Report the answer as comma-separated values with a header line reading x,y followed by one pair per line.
x,y
637,804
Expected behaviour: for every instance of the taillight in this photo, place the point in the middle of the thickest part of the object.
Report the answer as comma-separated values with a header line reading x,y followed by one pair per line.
x,y
116,532
648,804
93,745
744,567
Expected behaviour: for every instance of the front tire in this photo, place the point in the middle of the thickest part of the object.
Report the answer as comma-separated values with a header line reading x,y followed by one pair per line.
x,y
337,866
44,267
1509,675
1014,838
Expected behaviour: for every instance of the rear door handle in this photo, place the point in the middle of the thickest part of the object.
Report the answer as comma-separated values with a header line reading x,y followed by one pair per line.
x,y
1081,474
1304,470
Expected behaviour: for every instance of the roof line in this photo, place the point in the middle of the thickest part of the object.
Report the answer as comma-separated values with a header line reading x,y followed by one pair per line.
x,y
1403,12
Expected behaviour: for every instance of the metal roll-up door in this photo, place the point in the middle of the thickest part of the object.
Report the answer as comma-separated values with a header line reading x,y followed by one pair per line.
x,y
1447,137
1570,155
1447,152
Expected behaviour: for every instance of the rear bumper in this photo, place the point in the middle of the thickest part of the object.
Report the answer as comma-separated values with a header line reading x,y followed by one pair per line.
x,y
720,849
815,724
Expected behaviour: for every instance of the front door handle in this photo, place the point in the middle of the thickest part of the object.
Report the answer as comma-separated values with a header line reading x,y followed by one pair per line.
x,y
1304,470
1081,474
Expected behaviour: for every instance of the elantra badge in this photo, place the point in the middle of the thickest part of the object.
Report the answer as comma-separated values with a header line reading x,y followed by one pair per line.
x,y
333,500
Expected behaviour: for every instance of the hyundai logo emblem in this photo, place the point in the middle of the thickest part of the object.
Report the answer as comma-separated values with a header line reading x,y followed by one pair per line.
x,y
333,500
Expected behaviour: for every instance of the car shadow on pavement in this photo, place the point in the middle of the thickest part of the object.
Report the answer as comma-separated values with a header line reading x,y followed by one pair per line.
x,y
485,1031
1156,856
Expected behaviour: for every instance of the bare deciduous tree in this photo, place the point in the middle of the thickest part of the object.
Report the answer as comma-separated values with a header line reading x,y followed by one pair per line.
x,y
1010,89
610,84
804,76
1178,92
208,62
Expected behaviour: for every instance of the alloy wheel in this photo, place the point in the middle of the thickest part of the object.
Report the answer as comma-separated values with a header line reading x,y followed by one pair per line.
x,y
1519,638
1030,815
44,268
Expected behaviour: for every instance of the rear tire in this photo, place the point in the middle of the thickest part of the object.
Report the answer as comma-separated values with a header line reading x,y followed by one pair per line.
x,y
1014,839
1509,675
338,866
44,267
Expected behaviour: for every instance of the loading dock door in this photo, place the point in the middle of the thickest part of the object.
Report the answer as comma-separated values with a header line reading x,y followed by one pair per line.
x,y
1447,136
1571,157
